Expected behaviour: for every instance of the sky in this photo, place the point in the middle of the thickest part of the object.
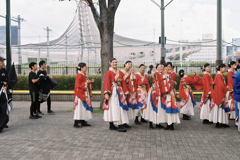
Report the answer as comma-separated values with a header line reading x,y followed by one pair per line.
x,y
184,19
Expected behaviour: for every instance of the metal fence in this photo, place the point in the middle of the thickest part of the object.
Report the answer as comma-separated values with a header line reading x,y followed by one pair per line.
x,y
93,68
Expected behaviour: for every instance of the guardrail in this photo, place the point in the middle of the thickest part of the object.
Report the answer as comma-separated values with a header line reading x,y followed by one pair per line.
x,y
72,92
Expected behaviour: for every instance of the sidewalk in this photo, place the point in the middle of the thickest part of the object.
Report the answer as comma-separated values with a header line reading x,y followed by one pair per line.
x,y
53,137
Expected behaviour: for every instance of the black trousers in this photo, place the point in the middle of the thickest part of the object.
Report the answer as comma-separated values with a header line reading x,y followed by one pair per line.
x,y
48,104
34,102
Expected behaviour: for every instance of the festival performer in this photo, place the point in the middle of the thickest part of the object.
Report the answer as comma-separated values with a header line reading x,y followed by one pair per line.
x,y
154,111
219,106
236,91
169,99
128,75
82,97
186,94
115,105
142,87
231,101
206,99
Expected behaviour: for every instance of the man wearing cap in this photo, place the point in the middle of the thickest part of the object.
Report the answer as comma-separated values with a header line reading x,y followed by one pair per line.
x,y
4,118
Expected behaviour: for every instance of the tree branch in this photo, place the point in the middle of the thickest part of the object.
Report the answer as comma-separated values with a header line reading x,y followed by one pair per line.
x,y
94,12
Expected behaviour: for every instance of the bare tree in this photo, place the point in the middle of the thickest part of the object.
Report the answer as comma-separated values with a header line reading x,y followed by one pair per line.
x,y
105,23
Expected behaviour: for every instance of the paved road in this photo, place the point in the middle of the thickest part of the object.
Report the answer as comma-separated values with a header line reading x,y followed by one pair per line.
x,y
53,137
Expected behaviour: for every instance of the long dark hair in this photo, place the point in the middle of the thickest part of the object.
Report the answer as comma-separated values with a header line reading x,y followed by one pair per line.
x,y
81,65
141,65
232,63
220,66
205,65
126,63
181,73
112,59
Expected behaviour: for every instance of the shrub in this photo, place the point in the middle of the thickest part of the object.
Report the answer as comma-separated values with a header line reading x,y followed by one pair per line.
x,y
67,82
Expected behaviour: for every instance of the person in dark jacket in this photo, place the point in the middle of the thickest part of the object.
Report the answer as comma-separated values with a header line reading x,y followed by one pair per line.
x,y
42,65
150,69
4,111
33,89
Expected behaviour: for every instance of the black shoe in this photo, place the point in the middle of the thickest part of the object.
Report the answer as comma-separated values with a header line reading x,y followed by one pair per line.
x,y
112,126
39,112
33,117
171,127
125,125
185,117
76,126
167,128
218,125
50,112
151,126
84,123
225,126
205,121
6,126
39,116
143,120
210,122
159,126
137,121
121,129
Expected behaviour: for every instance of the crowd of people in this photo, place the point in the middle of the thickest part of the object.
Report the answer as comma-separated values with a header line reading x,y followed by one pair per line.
x,y
128,96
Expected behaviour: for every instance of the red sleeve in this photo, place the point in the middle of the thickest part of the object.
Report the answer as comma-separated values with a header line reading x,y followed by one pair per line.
x,y
220,89
173,76
196,82
182,93
107,84
230,80
136,81
124,86
207,81
79,89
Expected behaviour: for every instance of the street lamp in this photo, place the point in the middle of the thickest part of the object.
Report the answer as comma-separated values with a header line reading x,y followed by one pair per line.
x,y
162,8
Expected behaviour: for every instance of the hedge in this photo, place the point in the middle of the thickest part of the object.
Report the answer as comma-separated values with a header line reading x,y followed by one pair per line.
x,y
67,82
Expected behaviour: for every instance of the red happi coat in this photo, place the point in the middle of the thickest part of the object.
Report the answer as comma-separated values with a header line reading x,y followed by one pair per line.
x,y
220,90
130,82
207,88
141,80
82,90
156,92
185,89
113,76
166,84
127,78
230,83
173,76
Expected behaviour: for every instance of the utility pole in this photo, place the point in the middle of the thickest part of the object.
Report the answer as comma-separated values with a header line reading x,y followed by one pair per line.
x,y
48,60
8,35
19,20
163,49
219,33
39,52
66,55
